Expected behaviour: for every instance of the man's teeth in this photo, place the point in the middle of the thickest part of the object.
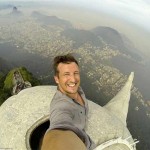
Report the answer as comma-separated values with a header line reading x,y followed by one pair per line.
x,y
71,85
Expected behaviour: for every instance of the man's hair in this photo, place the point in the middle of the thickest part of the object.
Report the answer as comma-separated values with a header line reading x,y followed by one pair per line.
x,y
66,59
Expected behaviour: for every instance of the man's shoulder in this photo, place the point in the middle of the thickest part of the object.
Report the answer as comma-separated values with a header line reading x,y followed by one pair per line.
x,y
59,96
60,99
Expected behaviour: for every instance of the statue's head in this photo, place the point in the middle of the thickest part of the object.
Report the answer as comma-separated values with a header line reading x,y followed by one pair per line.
x,y
24,119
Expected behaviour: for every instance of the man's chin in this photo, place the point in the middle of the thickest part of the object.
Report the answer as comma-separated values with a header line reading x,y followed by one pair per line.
x,y
72,91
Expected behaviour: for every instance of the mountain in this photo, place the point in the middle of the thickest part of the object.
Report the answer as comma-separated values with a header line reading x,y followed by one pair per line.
x,y
16,12
81,37
6,82
51,20
110,36
26,75
100,37
115,40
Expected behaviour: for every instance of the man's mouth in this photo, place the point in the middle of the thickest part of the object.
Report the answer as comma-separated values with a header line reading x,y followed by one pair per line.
x,y
72,85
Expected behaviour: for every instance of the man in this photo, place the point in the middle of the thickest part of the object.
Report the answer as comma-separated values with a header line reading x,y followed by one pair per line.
x,y
68,110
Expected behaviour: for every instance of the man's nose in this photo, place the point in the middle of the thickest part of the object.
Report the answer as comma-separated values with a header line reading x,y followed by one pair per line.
x,y
72,78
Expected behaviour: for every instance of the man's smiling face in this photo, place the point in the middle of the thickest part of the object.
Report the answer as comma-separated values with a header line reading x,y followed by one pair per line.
x,y
68,78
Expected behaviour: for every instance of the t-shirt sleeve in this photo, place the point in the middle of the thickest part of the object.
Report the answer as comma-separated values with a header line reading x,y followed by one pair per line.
x,y
61,115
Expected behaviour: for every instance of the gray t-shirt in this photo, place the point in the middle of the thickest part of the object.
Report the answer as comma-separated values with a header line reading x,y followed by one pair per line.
x,y
67,114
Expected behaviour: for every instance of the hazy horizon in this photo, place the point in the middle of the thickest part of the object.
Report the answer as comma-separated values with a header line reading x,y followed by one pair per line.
x,y
137,12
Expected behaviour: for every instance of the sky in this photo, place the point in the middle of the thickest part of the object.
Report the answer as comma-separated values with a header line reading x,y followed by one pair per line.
x,y
134,11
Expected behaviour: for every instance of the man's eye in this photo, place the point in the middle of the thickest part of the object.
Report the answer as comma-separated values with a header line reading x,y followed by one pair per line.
x,y
67,74
76,73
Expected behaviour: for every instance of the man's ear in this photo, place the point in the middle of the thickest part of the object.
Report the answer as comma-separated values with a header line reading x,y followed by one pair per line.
x,y
56,79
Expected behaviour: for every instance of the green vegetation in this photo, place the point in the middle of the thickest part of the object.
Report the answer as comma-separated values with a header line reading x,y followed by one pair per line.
x,y
6,82
27,76
3,94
